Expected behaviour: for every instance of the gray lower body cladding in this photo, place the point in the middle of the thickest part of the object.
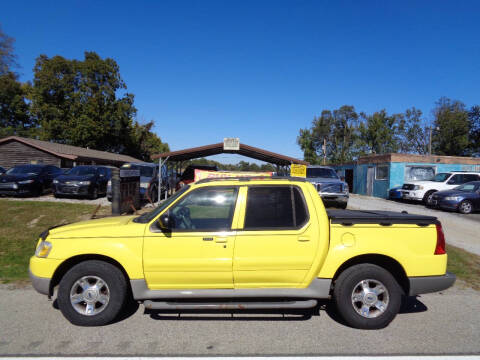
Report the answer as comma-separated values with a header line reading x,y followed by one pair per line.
x,y
429,284
318,289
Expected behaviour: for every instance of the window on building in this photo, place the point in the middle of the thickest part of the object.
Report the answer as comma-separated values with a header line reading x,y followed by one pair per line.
x,y
270,207
419,173
381,172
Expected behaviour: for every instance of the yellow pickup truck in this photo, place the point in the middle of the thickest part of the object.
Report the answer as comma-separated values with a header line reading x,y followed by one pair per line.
x,y
242,244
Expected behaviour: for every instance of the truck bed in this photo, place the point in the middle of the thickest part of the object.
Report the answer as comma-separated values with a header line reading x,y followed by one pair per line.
x,y
351,217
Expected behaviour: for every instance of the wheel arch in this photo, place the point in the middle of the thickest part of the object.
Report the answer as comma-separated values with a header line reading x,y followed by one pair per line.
x,y
386,262
69,263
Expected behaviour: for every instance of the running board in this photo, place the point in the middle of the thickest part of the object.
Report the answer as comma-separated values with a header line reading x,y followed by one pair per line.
x,y
170,305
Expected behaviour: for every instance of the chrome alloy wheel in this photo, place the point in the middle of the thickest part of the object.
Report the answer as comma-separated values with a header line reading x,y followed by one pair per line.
x,y
370,298
466,207
89,295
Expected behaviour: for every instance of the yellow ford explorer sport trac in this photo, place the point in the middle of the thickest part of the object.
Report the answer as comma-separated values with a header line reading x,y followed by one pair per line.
x,y
242,244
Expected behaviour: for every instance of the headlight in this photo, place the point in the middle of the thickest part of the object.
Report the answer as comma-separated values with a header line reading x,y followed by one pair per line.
x,y
26,181
55,181
418,187
453,198
144,185
84,182
43,249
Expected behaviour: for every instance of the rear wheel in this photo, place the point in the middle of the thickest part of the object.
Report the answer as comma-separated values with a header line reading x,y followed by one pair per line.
x,y
367,296
465,207
92,293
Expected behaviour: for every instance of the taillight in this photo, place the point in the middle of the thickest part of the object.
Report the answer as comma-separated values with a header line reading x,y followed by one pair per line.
x,y
440,248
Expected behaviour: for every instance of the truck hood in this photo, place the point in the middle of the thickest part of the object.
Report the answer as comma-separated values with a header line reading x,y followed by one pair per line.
x,y
106,227
423,182
324,180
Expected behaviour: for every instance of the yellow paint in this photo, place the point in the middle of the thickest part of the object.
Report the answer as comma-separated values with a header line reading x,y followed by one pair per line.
x,y
240,258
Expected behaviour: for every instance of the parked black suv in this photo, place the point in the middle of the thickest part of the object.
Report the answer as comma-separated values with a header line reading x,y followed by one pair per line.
x,y
83,180
27,180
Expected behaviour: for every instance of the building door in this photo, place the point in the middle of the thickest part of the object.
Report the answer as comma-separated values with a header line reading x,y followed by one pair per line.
x,y
349,178
370,177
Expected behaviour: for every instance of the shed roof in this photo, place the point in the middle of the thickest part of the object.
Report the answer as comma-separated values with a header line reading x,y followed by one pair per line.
x,y
70,152
215,149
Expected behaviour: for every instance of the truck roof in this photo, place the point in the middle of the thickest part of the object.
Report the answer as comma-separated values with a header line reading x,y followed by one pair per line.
x,y
252,178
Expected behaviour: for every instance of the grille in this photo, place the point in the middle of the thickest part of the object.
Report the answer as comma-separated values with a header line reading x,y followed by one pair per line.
x,y
329,188
408,186
6,185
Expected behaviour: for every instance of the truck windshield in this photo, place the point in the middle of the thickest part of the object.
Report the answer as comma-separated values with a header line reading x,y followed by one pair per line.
x,y
441,177
147,217
321,173
82,170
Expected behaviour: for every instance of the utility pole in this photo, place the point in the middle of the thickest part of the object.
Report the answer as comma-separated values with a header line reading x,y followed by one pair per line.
x,y
430,141
324,148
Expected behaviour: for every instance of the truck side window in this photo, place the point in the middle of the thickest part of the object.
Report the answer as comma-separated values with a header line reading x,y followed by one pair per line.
x,y
205,209
273,207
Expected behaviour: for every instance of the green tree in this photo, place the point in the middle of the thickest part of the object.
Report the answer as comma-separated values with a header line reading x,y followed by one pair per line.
x,y
474,128
451,128
7,55
414,134
14,110
145,143
337,129
379,133
76,102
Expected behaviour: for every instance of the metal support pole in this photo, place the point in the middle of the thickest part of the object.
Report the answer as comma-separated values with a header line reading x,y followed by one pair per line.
x,y
160,164
116,197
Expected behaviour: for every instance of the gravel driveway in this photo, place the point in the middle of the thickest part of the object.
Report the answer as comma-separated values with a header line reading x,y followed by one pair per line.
x,y
460,230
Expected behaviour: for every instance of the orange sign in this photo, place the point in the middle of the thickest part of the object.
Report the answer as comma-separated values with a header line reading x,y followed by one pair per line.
x,y
205,174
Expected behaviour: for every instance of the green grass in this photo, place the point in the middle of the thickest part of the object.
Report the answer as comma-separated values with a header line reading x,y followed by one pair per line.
x,y
465,265
21,222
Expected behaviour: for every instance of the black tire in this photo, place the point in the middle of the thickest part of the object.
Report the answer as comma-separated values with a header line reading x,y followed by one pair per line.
x,y
342,206
154,194
94,194
116,288
427,198
345,289
465,207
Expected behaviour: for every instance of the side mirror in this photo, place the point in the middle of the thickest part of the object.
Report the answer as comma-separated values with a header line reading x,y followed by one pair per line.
x,y
451,182
166,222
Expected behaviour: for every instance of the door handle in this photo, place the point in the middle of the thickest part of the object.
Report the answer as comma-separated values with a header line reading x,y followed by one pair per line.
x,y
303,239
207,238
221,240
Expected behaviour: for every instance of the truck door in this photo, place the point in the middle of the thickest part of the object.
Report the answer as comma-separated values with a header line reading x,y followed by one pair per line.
x,y
277,242
198,251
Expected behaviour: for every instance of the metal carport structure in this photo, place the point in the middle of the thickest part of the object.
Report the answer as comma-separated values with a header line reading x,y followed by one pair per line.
x,y
282,162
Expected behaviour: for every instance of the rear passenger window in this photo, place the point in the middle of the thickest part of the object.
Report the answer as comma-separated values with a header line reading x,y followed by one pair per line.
x,y
274,207
470,177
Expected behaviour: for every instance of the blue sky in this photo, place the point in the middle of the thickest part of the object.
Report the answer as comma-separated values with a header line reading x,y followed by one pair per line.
x,y
260,70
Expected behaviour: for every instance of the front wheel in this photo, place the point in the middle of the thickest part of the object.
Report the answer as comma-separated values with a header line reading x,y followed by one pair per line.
x,y
465,207
367,296
92,293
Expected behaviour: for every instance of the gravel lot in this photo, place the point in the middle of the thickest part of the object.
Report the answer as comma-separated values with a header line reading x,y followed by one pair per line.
x,y
442,323
460,230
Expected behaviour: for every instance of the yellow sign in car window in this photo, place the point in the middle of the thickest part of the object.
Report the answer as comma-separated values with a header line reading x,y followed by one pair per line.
x,y
298,170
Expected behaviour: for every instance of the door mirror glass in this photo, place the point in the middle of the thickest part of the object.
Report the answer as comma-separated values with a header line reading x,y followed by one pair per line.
x,y
165,222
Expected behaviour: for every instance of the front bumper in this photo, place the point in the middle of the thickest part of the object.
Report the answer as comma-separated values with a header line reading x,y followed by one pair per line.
x,y
334,197
429,284
445,204
41,272
18,189
42,285
62,189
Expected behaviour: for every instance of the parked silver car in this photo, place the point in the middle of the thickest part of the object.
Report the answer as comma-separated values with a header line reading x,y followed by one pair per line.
x,y
333,191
